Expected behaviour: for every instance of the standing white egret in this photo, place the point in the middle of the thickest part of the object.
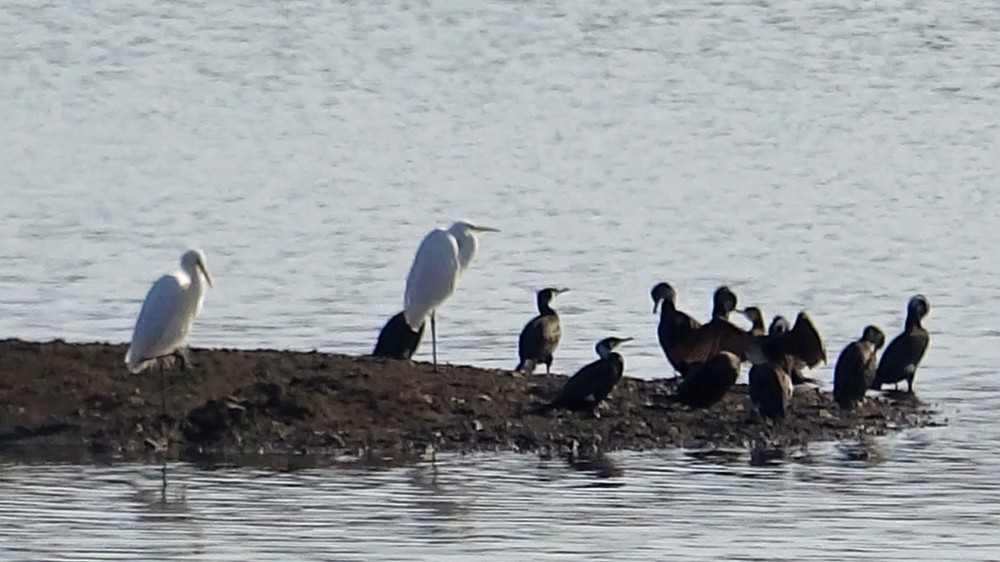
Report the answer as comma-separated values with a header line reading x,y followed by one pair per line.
x,y
166,317
441,258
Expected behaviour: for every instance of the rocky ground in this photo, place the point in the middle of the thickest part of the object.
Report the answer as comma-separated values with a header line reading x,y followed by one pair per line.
x,y
60,396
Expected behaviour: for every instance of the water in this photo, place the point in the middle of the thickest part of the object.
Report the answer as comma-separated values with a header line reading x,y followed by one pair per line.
x,y
831,156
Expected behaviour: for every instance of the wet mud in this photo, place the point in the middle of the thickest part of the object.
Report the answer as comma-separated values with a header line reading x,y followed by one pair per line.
x,y
58,398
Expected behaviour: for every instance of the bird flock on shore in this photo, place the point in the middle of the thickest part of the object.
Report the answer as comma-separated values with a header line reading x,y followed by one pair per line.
x,y
706,356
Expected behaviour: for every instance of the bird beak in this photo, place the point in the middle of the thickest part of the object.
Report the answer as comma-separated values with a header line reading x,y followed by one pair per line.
x,y
561,291
208,277
485,229
623,340
656,305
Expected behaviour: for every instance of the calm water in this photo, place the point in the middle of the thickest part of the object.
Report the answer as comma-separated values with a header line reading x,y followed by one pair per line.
x,y
836,157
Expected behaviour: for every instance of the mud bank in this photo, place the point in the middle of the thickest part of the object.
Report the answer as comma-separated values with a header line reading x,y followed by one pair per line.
x,y
61,396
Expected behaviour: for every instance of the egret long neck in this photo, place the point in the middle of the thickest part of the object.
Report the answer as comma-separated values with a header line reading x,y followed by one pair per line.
x,y
466,247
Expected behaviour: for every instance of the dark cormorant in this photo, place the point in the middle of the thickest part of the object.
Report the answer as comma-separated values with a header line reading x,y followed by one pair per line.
x,y
771,388
709,382
585,390
756,318
855,368
541,335
674,325
688,345
902,357
779,326
397,340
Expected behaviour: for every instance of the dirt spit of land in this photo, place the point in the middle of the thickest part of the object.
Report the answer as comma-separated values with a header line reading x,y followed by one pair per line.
x,y
59,396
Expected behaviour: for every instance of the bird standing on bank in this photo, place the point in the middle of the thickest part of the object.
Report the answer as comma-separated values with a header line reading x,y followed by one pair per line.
x,y
441,259
856,366
585,390
540,335
904,353
166,317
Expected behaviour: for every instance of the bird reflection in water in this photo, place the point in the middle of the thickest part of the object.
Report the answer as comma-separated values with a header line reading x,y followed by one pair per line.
x,y
599,465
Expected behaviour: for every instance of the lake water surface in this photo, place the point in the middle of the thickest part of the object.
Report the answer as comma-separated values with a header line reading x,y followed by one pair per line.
x,y
830,156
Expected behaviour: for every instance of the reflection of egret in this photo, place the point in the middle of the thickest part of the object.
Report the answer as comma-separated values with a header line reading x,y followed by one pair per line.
x,y
166,317
441,258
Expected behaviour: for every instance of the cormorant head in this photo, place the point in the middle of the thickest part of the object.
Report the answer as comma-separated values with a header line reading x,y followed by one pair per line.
x,y
780,325
662,292
874,336
549,293
193,262
723,302
918,306
607,345
754,315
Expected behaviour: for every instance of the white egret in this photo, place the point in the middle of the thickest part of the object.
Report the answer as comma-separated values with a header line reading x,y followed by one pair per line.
x,y
166,317
441,258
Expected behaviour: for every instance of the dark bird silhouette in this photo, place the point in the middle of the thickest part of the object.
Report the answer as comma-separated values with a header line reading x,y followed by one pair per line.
x,y
801,343
688,345
779,325
540,335
397,340
902,357
585,390
709,382
674,327
771,388
756,318
856,367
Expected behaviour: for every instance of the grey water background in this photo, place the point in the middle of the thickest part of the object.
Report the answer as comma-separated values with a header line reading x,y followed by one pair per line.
x,y
829,156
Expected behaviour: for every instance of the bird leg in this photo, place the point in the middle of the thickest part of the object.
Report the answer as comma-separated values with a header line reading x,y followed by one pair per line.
x,y
434,343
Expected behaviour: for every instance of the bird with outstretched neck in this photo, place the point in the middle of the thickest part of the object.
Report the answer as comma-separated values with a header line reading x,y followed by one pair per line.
x,y
540,335
441,258
855,368
904,353
166,317
585,390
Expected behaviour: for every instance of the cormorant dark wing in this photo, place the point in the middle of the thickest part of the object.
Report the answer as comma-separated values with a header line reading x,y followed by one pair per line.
x,y
708,383
902,357
853,373
802,342
591,384
538,340
711,338
770,389
397,340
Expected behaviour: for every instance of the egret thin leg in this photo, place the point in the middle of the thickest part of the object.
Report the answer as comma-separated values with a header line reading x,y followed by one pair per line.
x,y
434,341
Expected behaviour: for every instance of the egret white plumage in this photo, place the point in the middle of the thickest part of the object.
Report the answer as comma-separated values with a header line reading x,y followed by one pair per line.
x,y
167,315
441,259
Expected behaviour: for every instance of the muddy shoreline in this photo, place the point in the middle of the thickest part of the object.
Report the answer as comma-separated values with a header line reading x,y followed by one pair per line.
x,y
59,398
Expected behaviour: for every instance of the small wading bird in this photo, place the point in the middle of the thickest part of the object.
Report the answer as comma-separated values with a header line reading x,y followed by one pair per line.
x,y
540,335
166,318
441,259
585,390
902,357
856,367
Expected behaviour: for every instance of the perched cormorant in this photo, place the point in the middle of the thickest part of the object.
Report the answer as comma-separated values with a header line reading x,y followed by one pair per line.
x,y
801,343
674,325
541,335
397,340
771,388
688,345
585,390
855,368
902,357
756,318
709,382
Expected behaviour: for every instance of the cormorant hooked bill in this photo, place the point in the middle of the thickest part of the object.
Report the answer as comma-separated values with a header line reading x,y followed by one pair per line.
x,y
540,335
902,357
397,340
585,390
856,367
